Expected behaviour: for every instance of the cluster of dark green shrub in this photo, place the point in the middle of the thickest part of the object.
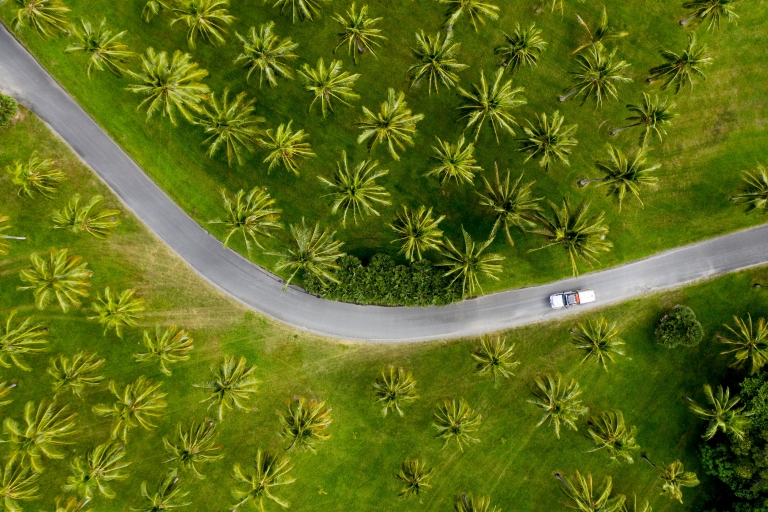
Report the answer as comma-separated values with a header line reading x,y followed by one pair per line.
x,y
8,109
679,327
384,283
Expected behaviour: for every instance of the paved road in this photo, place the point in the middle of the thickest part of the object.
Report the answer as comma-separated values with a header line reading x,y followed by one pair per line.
x,y
25,79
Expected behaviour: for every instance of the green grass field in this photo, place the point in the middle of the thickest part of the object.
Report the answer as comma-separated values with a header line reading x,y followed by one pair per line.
x,y
514,461
718,134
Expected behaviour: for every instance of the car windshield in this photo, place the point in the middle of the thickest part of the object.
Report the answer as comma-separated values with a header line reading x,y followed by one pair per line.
x,y
570,299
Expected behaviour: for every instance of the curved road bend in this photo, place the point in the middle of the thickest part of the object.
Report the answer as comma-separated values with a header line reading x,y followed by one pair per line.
x,y
24,78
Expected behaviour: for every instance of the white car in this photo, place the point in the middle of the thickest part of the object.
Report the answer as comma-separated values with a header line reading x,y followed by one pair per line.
x,y
565,299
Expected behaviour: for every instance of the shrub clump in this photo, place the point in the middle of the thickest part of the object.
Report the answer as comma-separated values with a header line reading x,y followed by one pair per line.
x,y
8,109
679,327
384,283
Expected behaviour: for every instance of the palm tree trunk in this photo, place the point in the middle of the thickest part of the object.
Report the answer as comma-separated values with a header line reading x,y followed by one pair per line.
x,y
645,456
567,95
11,237
586,181
686,20
563,480
617,130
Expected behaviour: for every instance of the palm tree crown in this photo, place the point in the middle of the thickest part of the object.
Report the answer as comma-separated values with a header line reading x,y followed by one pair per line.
x,y
48,426
358,32
581,236
437,61
266,53
469,503
286,147
754,191
43,16
549,139
106,50
715,10
675,478
609,432
523,48
580,494
512,204
722,413
559,401
749,343
194,445
206,19
92,472
167,496
597,76
252,215
494,356
18,483
680,68
455,162
494,103
623,174
170,86
300,9
168,346
312,250
37,175
476,10
136,405
455,420
269,472
153,7
355,189
599,339
59,276
653,115
17,340
418,230
230,125
76,373
395,387
305,422
602,34
232,386
76,217
117,311
5,224
394,124
469,263
328,84
415,477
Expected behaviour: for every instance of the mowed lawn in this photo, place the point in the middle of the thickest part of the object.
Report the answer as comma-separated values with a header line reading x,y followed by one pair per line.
x,y
718,134
514,461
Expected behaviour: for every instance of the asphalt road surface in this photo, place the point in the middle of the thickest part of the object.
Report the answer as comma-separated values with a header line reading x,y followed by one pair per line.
x,y
23,77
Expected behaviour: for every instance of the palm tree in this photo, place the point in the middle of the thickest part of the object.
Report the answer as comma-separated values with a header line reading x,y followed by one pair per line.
x,y
251,215
328,83
44,16
722,414
580,494
675,478
715,10
207,19
136,405
232,386
168,346
550,139
754,190
623,174
599,339
597,76
644,507
76,217
5,223
610,432
602,34
77,373
100,465
286,147
494,356
468,503
19,483
750,343
194,445
415,477
300,9
476,10
358,32
230,125
23,339
680,68
170,86
395,387
106,50
355,189
418,231
494,103
523,48
305,422
117,311
512,204
312,250
269,472
437,60
267,53
455,420
60,275
167,496
47,427
153,7
559,401
394,124
5,390
470,263
36,176
581,236
72,504
455,161
653,115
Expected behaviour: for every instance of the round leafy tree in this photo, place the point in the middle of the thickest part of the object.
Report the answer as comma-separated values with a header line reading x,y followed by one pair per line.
x,y
679,327
8,109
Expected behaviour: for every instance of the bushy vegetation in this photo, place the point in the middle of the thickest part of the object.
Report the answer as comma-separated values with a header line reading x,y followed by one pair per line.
x,y
679,327
8,109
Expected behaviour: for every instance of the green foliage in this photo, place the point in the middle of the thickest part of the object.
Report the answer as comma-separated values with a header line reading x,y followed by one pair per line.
x,y
232,386
469,503
598,75
286,147
167,496
265,52
384,283
395,387
5,390
103,49
8,110
251,215
117,311
269,472
168,346
194,445
579,492
549,139
304,423
206,19
60,275
722,413
715,10
523,48
476,10
599,339
300,9
560,402
355,189
674,478
418,231
608,431
19,483
92,472
602,33
437,61
48,426
679,327
494,103
469,264
456,421
415,477
313,251
19,340
230,125
328,83
455,162
75,374
394,124
153,7
76,217
43,16
749,343
512,204
494,356
136,405
679,69
358,32
652,115
36,175
754,191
